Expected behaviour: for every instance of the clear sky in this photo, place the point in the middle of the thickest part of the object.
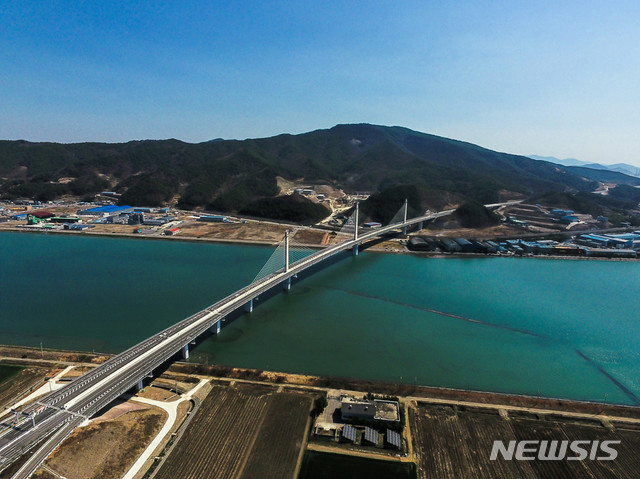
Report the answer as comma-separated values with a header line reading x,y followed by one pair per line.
x,y
558,78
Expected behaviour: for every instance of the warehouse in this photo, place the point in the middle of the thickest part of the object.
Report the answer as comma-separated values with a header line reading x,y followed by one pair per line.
x,y
448,245
465,245
214,218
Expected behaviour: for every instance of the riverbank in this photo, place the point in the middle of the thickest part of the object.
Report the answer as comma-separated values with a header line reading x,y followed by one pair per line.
x,y
393,247
26,356
436,421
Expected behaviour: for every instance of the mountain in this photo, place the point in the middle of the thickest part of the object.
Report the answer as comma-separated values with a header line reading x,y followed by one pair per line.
x,y
623,168
228,175
604,175
559,161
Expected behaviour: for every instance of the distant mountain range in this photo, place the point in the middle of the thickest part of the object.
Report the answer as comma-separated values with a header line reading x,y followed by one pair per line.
x,y
618,167
232,175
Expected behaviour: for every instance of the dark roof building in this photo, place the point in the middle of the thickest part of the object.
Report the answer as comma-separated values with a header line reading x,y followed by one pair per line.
x,y
358,410
465,245
42,214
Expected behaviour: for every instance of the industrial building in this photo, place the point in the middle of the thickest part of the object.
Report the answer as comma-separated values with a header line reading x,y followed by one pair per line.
x,y
465,245
157,221
448,245
421,243
214,218
105,210
65,219
352,409
376,410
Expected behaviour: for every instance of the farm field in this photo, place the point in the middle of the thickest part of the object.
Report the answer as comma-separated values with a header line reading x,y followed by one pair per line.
x,y
242,431
452,443
319,465
15,380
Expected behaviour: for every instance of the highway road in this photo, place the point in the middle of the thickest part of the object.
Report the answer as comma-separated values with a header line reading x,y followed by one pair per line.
x,y
48,421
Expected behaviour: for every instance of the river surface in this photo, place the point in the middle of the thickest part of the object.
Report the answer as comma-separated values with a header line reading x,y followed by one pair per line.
x,y
557,328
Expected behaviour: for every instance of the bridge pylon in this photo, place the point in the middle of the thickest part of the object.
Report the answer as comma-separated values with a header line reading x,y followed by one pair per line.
x,y
355,228
286,251
406,208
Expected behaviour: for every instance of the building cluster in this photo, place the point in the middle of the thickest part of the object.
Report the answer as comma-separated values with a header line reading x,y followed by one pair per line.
x,y
625,245
540,218
364,423
127,215
86,218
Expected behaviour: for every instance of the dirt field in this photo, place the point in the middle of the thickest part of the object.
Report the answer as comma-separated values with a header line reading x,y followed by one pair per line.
x,y
77,372
451,443
105,449
251,231
311,237
277,447
241,431
22,352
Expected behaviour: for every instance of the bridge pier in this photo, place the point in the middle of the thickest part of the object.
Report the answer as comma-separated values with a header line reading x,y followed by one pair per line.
x,y
420,226
404,231
356,248
185,351
287,284
140,386
215,329
249,306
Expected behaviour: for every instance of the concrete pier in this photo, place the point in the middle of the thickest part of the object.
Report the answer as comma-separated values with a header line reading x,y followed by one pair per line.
x,y
185,351
140,385
287,284
355,249
215,329
249,306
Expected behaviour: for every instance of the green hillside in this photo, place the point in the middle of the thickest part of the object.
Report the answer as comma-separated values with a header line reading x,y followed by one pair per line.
x,y
230,175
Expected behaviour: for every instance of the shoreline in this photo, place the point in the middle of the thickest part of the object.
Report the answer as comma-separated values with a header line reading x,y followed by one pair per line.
x,y
11,354
233,241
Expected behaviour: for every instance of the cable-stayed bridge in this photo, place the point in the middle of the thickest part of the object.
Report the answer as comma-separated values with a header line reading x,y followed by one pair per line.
x,y
43,425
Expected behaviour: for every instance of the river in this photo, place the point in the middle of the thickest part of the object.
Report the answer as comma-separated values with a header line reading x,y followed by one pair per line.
x,y
556,328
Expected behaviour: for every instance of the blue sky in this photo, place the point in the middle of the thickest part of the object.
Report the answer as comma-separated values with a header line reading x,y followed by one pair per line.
x,y
548,78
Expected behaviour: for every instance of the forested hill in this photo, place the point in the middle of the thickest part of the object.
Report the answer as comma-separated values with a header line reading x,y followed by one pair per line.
x,y
226,175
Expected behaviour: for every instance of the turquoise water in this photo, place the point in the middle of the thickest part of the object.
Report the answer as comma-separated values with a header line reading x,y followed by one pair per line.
x,y
555,328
